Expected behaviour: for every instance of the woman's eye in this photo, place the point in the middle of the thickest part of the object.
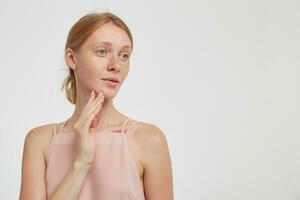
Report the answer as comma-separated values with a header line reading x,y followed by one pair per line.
x,y
101,51
125,56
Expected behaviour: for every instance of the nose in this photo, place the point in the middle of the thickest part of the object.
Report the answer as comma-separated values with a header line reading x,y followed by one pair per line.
x,y
113,64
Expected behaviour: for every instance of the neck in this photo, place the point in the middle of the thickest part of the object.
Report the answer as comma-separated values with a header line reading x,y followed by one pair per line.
x,y
107,117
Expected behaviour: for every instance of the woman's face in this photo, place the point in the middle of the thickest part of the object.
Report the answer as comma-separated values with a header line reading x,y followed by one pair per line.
x,y
105,54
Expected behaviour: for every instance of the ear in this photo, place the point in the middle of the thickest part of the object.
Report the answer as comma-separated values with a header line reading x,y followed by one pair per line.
x,y
70,58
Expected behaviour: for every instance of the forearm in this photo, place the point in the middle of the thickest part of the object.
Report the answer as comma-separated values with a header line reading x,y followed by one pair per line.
x,y
72,183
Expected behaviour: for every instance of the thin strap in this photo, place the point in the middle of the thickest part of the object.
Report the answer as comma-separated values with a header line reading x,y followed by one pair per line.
x,y
52,141
62,126
131,126
54,129
123,125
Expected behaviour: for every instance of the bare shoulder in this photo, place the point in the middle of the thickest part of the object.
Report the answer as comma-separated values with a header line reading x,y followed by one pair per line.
x,y
149,139
33,163
39,134
39,138
155,159
148,133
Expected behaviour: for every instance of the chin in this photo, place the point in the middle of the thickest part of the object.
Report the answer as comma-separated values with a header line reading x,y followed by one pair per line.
x,y
108,93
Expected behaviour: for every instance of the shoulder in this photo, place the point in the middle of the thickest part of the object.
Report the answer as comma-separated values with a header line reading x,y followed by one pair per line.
x,y
39,137
149,134
156,161
34,163
38,133
149,138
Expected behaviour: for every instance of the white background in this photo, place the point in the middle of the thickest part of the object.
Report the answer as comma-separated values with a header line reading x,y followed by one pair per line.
x,y
220,78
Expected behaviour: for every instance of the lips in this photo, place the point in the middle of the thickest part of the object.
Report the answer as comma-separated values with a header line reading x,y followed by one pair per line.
x,y
110,83
113,79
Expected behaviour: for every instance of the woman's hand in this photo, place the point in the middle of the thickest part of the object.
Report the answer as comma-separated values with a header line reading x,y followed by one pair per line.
x,y
85,139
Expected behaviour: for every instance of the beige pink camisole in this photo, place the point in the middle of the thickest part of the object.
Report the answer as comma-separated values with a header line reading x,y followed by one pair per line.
x,y
113,175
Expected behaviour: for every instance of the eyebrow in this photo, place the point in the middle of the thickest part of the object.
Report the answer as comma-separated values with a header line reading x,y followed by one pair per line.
x,y
109,44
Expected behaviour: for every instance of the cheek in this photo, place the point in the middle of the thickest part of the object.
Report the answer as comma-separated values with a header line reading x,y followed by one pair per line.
x,y
90,71
124,74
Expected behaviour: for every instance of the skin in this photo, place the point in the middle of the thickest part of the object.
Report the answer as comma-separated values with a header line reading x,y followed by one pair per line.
x,y
92,62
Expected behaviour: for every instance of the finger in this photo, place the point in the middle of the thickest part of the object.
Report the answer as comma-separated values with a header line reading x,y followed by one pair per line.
x,y
94,122
91,99
99,104
92,96
95,112
95,108
89,121
91,103
91,113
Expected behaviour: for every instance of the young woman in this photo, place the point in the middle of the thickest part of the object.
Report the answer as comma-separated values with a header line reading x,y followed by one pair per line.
x,y
97,153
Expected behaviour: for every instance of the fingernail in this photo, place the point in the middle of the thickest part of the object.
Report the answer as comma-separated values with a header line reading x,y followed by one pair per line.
x,y
92,93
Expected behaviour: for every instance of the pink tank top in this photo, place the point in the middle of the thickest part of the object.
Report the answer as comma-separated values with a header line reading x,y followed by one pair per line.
x,y
113,175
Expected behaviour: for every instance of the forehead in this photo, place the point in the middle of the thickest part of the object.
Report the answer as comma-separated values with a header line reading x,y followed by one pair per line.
x,y
109,33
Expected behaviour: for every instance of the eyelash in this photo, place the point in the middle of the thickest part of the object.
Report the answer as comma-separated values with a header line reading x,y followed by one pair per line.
x,y
127,56
100,50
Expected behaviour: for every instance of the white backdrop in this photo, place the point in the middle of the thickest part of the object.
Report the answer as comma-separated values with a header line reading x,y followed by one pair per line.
x,y
220,78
